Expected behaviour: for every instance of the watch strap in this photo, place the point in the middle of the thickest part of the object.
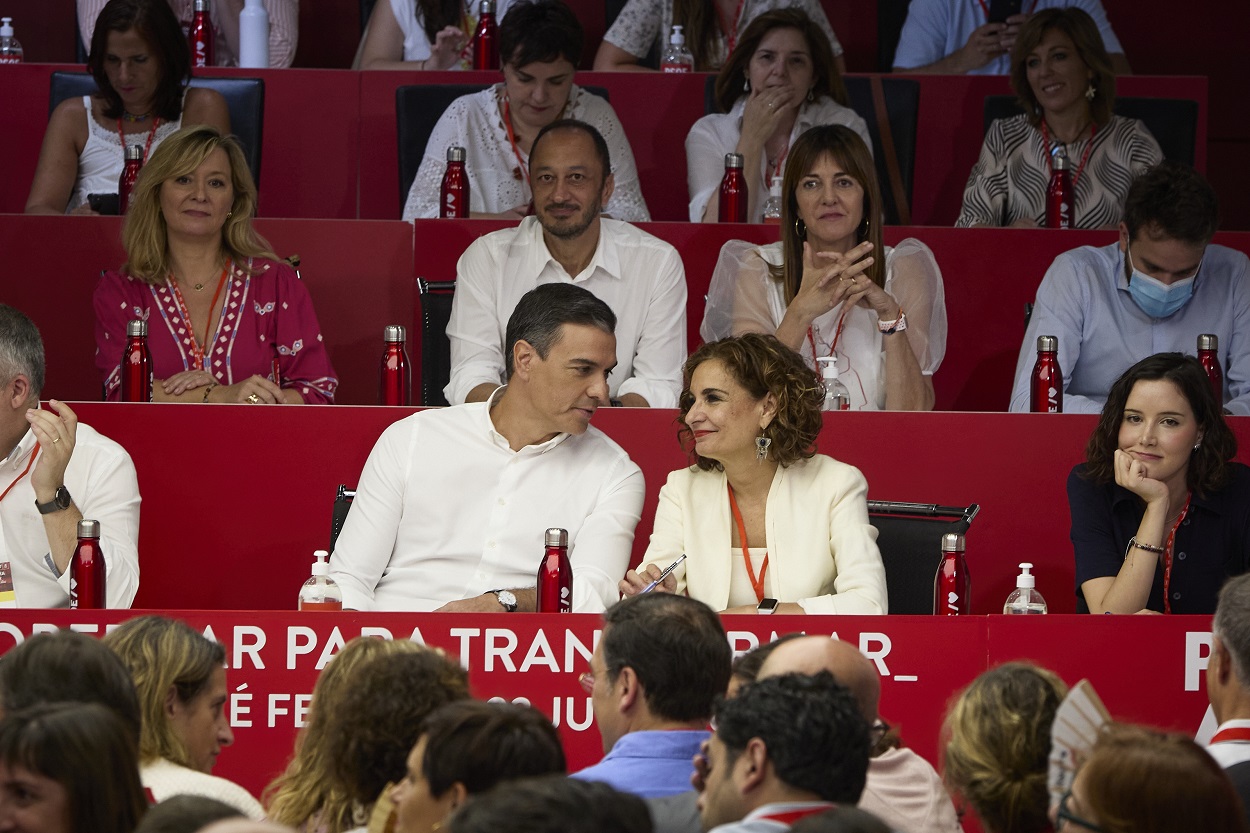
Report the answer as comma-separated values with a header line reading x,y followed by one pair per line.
x,y
507,602
61,501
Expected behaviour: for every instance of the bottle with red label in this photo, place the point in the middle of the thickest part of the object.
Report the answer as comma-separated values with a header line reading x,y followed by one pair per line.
x,y
396,369
454,199
1209,355
952,586
130,173
137,363
486,37
677,57
837,397
321,592
733,191
200,38
10,50
555,574
1046,383
86,569
1059,196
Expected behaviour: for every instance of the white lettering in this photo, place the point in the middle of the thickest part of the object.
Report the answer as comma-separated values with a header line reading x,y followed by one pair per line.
x,y
374,630
570,717
209,633
1197,655
494,651
43,627
299,640
239,709
540,653
416,637
85,628
573,645
740,642
252,649
516,701
302,703
465,635
275,709
867,639
13,631
333,644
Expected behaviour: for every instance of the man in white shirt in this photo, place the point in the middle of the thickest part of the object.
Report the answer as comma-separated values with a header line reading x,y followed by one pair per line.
x,y
1228,674
638,275
452,504
55,472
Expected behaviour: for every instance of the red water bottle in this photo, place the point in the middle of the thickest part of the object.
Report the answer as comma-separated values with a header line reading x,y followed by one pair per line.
x,y
555,574
1059,196
1209,355
86,569
201,37
952,586
130,173
454,200
733,191
396,373
486,38
1046,383
137,363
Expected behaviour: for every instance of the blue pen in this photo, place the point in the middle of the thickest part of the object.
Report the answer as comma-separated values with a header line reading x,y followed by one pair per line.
x,y
664,574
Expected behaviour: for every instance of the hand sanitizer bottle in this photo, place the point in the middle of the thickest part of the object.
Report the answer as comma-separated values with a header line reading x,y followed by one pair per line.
x,y
837,397
320,592
1025,598
677,57
772,206
10,49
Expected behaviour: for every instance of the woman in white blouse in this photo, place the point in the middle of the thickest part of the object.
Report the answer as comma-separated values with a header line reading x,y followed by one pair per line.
x,y
780,80
422,34
830,287
540,44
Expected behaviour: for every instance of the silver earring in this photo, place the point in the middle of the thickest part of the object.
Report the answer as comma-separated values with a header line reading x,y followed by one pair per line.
x,y
229,214
1198,445
761,448
810,96
746,85
1090,92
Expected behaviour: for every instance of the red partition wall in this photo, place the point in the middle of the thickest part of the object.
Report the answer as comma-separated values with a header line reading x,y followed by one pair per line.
x,y
359,274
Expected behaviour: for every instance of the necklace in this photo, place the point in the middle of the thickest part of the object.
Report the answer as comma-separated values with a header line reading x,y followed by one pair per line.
x,y
198,348
134,117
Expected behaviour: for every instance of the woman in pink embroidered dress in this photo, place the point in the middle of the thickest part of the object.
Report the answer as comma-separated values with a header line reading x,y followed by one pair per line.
x,y
227,322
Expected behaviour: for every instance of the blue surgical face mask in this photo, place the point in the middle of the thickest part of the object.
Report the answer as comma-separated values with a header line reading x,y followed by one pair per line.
x,y
1156,298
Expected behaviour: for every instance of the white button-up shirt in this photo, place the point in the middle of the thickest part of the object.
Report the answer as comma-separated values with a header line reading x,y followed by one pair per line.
x,y
446,510
637,274
101,479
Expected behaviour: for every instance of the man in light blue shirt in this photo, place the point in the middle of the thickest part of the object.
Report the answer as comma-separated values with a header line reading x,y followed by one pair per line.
x,y
956,37
1155,291
660,663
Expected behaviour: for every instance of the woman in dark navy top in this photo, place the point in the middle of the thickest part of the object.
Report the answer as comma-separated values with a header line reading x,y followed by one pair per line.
x,y
1160,514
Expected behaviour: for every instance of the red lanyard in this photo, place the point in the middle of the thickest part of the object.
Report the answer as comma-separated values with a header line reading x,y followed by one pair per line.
x,y
729,28
837,334
1167,557
25,471
781,160
789,817
521,172
1076,177
1233,733
986,8
757,584
147,146
198,352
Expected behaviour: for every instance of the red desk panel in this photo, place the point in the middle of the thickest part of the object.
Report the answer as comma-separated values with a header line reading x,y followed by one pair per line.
x,y
274,658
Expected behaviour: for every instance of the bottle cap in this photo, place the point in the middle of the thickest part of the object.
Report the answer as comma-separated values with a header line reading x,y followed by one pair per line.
x,y
1026,580
394,332
556,537
774,190
88,529
828,366
201,5
137,327
6,27
1047,344
733,160
1207,341
486,7
952,542
321,567
1059,158
677,38
455,153
134,152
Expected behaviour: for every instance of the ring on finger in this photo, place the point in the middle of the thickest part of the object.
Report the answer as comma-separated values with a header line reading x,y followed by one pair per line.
x,y
253,399
56,440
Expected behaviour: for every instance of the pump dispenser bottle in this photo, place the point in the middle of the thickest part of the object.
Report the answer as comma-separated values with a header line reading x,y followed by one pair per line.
x,y
1025,598
320,592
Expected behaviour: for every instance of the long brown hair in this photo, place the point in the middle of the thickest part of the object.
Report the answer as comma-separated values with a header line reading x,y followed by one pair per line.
x,y
847,149
1083,32
826,78
701,27
154,21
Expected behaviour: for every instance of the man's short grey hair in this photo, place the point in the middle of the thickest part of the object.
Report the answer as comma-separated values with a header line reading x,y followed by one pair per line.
x,y
21,349
1232,624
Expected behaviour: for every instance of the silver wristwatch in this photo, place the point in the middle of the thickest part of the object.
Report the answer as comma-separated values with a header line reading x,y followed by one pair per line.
x,y
506,599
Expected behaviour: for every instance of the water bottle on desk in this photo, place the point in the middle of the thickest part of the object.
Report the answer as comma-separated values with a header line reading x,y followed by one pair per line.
x,y
733,191
1046,383
87,579
130,174
137,363
201,37
555,573
1209,355
254,35
1025,598
396,375
486,38
952,586
454,196
1059,196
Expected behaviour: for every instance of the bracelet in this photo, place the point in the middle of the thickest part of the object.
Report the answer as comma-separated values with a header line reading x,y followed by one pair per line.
x,y
207,391
1133,542
897,325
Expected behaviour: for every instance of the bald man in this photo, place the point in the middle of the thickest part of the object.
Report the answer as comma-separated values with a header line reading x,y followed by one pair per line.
x,y
903,789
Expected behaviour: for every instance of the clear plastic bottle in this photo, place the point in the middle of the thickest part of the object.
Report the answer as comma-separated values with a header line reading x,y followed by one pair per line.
x,y
772,206
10,49
677,57
837,397
320,592
1025,598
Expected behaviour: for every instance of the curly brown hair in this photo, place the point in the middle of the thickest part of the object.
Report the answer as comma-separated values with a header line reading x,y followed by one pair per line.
x,y
762,365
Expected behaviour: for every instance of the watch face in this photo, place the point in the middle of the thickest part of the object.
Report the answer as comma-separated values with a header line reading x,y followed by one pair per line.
x,y
62,498
506,598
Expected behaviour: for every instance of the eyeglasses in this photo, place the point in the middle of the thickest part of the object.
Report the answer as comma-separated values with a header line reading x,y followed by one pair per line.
x,y
1064,817
587,681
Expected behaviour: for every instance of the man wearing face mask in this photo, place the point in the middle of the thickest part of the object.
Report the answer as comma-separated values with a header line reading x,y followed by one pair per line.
x,y
1155,290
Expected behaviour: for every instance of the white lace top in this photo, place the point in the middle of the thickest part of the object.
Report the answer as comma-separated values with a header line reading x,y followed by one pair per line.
x,y
102,159
474,123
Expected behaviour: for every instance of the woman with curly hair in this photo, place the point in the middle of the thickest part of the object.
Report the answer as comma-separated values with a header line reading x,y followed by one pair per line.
x,y
1160,513
765,522
997,739
308,795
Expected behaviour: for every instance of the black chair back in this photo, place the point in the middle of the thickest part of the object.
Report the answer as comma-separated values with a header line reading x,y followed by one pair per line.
x,y
245,99
366,11
435,298
1172,121
417,109
343,498
909,536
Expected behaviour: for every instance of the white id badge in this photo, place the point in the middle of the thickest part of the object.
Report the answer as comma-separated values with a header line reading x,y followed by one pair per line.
x,y
8,598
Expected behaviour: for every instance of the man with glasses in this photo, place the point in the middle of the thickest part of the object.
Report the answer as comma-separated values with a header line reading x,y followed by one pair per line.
x,y
1156,290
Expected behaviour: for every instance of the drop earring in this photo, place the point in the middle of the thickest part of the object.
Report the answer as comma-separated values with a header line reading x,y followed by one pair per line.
x,y
761,447
800,228
1090,92
746,84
